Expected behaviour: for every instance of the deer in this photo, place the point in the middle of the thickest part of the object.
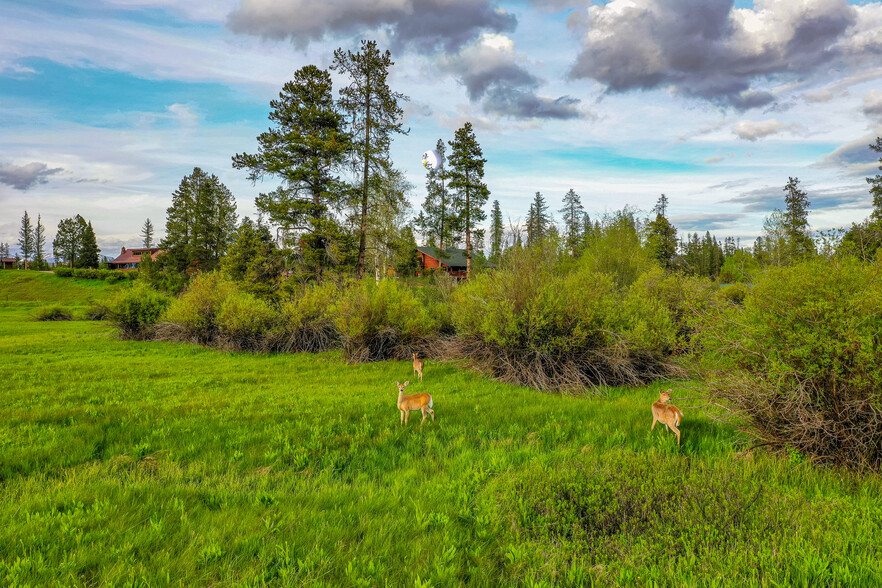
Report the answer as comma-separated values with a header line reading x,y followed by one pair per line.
x,y
418,366
667,414
421,401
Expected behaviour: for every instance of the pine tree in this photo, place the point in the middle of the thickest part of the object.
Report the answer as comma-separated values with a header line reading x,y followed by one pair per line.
x,y
496,233
574,223
88,248
466,178
876,186
438,221
306,149
68,240
538,221
662,235
147,233
26,238
39,243
796,220
374,116
199,224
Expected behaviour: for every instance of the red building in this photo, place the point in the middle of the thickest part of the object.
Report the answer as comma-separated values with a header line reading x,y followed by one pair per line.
x,y
7,263
453,260
130,258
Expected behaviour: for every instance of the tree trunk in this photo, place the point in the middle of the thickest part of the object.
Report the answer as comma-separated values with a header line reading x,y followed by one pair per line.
x,y
468,231
362,239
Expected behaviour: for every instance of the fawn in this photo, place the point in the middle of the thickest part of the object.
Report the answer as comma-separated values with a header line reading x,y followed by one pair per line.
x,y
421,401
667,414
418,366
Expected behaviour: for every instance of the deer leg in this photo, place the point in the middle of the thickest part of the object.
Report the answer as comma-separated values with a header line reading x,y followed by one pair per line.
x,y
402,417
654,420
424,415
432,412
677,431
406,416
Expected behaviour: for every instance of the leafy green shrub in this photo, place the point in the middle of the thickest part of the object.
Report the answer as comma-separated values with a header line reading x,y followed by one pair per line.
x,y
113,276
193,315
382,321
734,293
553,326
306,322
244,321
800,363
63,272
136,310
97,311
54,312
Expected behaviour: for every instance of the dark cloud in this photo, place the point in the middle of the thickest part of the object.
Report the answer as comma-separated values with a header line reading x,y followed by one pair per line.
x,y
493,73
24,177
855,155
424,25
705,222
873,105
769,198
709,50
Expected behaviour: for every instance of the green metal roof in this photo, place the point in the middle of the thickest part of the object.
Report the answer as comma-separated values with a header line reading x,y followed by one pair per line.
x,y
451,257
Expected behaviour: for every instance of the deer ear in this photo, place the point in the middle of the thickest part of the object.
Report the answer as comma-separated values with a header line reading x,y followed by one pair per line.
x,y
406,383
397,384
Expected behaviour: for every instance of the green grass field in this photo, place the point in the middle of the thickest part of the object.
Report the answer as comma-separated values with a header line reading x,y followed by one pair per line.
x,y
151,464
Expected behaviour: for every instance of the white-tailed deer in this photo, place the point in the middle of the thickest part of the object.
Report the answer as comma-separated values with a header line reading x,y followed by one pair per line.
x,y
418,366
667,414
421,401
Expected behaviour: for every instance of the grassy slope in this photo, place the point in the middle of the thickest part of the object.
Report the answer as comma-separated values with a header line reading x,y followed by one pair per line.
x,y
156,464
25,287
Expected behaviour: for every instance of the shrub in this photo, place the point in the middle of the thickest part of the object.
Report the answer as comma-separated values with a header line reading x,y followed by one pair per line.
x,y
97,312
136,310
54,312
799,364
244,321
382,321
63,272
552,326
306,322
734,293
193,315
113,276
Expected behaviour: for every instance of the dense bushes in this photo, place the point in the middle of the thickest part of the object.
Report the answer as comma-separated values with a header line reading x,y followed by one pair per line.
x,y
306,323
800,363
546,325
96,274
382,321
54,312
136,310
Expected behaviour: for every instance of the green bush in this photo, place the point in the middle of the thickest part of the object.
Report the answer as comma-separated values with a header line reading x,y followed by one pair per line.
x,y
306,324
136,310
54,312
734,293
560,326
382,321
800,363
244,321
63,272
97,311
193,315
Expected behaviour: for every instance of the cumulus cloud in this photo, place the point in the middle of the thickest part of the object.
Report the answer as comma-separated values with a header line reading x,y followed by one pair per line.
x,y
710,50
425,25
494,73
873,104
751,130
25,177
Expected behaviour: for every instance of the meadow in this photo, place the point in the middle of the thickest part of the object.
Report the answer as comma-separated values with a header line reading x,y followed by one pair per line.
x,y
126,463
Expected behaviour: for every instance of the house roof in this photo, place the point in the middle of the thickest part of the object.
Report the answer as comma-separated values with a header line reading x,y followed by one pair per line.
x,y
134,255
7,259
452,256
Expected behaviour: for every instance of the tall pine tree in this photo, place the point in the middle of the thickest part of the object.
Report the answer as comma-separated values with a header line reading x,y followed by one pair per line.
x,y
374,117
39,243
662,235
538,221
796,222
26,239
306,149
88,249
496,233
574,218
467,179
147,233
438,221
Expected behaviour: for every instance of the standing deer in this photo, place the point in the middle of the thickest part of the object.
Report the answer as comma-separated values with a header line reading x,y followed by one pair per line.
x,y
418,366
421,401
667,414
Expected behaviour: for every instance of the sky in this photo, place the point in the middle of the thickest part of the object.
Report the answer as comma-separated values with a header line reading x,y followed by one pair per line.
x,y
105,105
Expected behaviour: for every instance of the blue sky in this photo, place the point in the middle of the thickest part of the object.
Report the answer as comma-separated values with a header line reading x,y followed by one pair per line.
x,y
106,105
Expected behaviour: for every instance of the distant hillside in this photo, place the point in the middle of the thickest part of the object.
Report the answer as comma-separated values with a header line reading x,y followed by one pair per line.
x,y
28,286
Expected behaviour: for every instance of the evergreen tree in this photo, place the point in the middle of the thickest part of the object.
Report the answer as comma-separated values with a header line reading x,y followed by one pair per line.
x,y
404,253
39,243
4,250
306,149
147,233
26,238
68,240
253,259
88,248
796,223
438,221
662,235
496,233
374,116
865,239
466,178
199,224
539,220
574,221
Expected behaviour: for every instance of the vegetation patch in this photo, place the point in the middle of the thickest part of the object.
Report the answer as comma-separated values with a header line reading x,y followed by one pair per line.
x,y
53,312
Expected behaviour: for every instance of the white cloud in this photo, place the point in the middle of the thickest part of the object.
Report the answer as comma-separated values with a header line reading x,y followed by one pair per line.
x,y
752,130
